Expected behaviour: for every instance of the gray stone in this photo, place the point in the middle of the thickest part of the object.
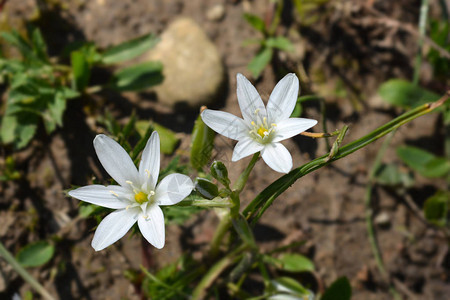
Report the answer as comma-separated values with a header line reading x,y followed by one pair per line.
x,y
192,67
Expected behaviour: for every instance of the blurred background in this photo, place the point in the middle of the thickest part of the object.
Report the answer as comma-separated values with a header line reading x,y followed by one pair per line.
x,y
69,72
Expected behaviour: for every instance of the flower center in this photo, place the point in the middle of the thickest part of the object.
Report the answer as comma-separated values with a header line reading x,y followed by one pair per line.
x,y
141,197
261,131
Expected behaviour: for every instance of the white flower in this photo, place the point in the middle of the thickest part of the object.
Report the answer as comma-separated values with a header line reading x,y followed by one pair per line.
x,y
137,198
262,128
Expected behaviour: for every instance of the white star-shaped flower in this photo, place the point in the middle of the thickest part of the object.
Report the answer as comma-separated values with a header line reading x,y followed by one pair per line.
x,y
261,128
137,198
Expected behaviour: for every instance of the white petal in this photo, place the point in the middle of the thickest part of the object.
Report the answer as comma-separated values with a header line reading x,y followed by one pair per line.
x,y
249,100
115,160
283,98
152,226
277,157
289,127
113,227
112,196
173,188
244,148
149,165
224,123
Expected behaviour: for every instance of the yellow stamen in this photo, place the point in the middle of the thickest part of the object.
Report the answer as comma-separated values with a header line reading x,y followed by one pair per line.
x,y
140,197
114,193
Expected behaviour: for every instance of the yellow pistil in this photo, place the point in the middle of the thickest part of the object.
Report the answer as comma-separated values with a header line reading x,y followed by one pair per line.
x,y
262,132
141,197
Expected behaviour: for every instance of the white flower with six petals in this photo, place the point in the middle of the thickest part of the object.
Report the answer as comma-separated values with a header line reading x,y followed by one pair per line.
x,y
262,128
137,198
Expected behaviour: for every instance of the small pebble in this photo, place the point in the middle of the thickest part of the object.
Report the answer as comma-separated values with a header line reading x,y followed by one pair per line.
x,y
382,219
216,13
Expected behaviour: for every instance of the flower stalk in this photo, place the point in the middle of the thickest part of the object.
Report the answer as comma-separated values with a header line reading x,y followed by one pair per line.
x,y
24,274
260,203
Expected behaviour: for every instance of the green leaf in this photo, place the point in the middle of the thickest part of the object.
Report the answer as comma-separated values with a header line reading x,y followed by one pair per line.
x,y
393,175
39,45
18,126
56,109
244,231
138,77
35,254
24,94
129,49
202,144
219,171
7,131
68,93
80,69
168,138
405,94
340,289
439,32
145,130
437,167
296,263
424,162
16,40
86,210
256,22
260,61
206,188
89,51
25,132
248,42
280,42
436,208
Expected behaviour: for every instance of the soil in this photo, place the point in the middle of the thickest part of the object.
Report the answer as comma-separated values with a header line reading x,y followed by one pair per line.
x,y
351,48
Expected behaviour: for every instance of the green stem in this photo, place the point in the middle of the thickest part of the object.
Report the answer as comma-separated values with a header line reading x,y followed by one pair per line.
x,y
368,205
216,202
163,284
25,275
269,194
422,27
220,232
215,271
242,180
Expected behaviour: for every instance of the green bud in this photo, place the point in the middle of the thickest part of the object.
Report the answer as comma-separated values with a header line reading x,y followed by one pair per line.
x,y
220,172
202,144
206,188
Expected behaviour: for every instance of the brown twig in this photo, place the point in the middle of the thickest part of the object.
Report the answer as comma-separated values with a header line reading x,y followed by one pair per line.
x,y
316,135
